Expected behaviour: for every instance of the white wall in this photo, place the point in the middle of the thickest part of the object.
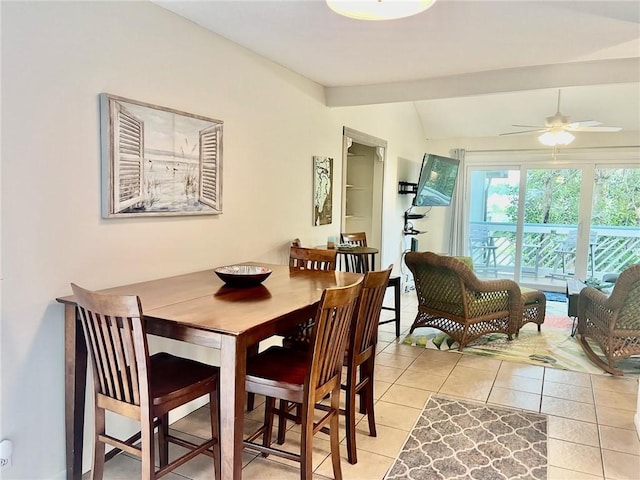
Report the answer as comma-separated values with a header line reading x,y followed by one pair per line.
x,y
56,59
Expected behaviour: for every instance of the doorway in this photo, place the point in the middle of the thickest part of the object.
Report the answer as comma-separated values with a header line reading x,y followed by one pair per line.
x,y
363,159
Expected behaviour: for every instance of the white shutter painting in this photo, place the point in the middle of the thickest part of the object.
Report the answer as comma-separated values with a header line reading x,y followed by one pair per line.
x,y
210,168
128,158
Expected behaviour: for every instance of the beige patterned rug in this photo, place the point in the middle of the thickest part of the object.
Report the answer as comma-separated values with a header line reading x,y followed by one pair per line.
x,y
456,440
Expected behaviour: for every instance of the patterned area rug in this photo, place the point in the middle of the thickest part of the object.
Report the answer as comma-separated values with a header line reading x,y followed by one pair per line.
x,y
458,440
552,347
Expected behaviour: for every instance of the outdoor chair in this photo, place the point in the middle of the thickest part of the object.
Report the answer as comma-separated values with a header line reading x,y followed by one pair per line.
x,y
567,249
306,378
129,382
482,248
452,299
611,322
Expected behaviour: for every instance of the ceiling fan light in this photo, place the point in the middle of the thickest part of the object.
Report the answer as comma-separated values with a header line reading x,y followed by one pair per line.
x,y
553,138
378,9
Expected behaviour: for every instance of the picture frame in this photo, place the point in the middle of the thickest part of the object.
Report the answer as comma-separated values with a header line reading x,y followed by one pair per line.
x,y
157,161
322,190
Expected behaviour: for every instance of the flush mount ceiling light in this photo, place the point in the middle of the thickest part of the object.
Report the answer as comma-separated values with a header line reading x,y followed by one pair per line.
x,y
556,137
379,9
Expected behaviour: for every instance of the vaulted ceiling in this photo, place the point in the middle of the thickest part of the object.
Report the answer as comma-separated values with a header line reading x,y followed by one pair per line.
x,y
472,68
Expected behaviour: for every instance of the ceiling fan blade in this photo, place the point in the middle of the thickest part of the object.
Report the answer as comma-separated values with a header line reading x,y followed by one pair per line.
x,y
529,126
525,131
584,123
595,129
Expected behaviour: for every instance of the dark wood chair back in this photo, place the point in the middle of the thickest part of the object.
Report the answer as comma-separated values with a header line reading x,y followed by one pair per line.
x,y
330,337
145,388
360,358
306,378
117,345
364,333
312,258
358,238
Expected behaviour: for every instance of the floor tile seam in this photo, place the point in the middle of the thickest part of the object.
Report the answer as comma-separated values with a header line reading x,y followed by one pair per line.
x,y
620,451
603,447
569,400
589,388
632,410
515,389
578,442
577,470
565,398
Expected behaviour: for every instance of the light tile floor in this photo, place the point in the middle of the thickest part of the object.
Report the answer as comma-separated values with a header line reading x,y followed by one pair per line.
x,y
591,429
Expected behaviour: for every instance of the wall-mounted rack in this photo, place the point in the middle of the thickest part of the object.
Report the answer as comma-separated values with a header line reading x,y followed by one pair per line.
x,y
408,226
405,188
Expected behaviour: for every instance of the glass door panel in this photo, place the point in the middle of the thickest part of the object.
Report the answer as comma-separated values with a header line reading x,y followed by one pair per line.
x,y
492,228
615,220
551,219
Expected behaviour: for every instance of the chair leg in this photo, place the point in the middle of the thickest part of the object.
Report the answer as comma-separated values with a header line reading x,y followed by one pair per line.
x,y
368,396
251,400
214,411
252,351
306,443
163,442
334,434
282,421
97,470
147,454
350,415
269,405
396,296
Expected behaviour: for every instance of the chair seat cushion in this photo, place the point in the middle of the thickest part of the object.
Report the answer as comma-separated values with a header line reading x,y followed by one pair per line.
x,y
530,295
279,365
169,376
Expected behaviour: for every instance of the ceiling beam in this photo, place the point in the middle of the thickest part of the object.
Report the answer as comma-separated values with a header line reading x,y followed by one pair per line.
x,y
599,72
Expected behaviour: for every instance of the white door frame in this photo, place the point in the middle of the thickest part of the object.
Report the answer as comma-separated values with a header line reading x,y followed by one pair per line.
x,y
350,136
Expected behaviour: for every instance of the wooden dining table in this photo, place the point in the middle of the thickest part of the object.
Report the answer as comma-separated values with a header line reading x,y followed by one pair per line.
x,y
199,308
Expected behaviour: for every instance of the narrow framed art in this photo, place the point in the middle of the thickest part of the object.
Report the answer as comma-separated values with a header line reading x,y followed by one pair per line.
x,y
158,161
322,190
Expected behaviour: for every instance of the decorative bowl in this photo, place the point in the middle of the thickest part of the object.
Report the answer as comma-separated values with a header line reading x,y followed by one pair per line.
x,y
242,275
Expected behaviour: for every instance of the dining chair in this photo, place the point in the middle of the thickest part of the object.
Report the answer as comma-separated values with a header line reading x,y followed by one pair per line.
x,y
300,258
130,382
359,239
306,378
359,360
312,258
307,259
356,262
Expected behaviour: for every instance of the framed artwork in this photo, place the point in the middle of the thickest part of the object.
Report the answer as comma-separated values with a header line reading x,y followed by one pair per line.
x,y
158,161
322,190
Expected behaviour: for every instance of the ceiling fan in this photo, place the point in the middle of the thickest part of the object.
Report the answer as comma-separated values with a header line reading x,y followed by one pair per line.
x,y
558,128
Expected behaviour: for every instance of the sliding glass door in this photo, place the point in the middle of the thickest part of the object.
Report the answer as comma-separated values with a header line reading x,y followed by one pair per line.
x,y
615,220
492,243
543,225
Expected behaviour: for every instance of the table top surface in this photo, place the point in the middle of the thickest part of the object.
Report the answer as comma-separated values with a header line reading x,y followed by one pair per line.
x,y
356,250
201,300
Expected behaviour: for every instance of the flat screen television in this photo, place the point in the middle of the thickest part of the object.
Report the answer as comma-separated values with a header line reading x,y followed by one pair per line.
x,y
437,181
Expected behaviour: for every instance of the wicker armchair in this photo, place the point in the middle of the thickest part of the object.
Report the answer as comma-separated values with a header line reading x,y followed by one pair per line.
x,y
612,322
452,299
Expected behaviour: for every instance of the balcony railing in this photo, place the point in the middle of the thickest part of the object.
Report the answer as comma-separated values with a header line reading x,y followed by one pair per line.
x,y
611,249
